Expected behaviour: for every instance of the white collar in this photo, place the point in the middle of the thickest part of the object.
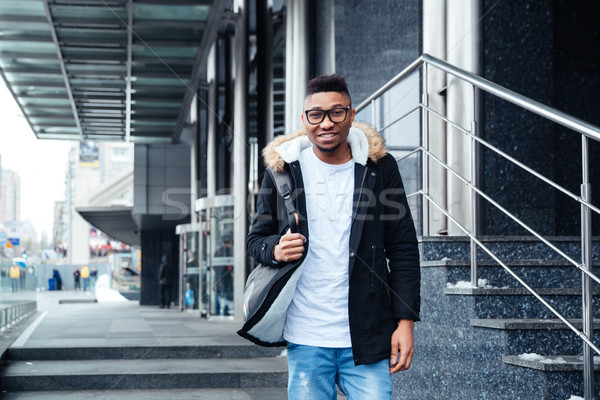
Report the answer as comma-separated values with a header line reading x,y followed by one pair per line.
x,y
290,150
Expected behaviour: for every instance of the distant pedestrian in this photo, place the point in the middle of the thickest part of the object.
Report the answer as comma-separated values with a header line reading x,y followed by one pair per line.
x,y
57,280
85,276
15,277
223,277
93,277
164,282
77,276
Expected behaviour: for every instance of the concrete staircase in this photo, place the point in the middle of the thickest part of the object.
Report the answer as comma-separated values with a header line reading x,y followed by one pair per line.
x,y
211,372
498,341
122,350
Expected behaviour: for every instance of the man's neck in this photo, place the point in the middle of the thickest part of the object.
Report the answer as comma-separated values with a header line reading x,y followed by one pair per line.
x,y
341,155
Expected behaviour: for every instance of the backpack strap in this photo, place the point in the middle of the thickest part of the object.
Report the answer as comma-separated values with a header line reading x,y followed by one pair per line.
x,y
283,183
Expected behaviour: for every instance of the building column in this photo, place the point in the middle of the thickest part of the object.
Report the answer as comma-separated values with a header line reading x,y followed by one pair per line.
x,y
211,136
296,62
434,44
323,37
463,44
264,71
240,151
194,160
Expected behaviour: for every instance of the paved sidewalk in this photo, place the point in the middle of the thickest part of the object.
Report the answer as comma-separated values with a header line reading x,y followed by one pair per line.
x,y
120,324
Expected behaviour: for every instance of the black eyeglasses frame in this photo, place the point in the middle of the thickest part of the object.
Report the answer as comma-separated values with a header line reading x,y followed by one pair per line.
x,y
326,113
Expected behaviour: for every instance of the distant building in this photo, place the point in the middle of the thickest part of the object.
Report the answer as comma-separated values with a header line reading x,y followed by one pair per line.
x,y
96,176
59,226
10,196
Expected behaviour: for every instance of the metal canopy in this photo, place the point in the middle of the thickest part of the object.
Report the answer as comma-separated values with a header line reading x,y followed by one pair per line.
x,y
103,69
115,221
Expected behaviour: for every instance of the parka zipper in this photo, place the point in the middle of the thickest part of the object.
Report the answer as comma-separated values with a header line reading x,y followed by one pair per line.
x,y
362,186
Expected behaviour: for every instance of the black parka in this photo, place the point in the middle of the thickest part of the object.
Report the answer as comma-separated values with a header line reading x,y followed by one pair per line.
x,y
380,293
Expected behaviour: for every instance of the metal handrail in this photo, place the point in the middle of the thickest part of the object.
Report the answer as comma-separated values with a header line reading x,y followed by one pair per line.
x,y
587,131
508,214
535,107
513,160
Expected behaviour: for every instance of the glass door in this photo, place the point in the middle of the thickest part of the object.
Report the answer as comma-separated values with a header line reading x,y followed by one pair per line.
x,y
222,263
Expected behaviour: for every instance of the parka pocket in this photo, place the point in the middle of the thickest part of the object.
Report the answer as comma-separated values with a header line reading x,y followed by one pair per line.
x,y
386,297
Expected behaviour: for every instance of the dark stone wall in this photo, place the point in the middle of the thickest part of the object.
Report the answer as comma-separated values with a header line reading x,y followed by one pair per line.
x,y
374,41
518,50
155,243
577,79
545,51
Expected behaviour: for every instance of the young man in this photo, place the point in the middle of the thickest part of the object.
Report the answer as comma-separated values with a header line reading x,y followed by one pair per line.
x,y
350,320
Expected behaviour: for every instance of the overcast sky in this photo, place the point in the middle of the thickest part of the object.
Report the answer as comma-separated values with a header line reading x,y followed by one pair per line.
x,y
40,163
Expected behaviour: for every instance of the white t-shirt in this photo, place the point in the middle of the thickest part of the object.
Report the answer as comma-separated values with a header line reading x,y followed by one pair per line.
x,y
318,314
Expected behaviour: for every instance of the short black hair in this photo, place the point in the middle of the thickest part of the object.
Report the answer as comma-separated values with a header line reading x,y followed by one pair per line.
x,y
327,83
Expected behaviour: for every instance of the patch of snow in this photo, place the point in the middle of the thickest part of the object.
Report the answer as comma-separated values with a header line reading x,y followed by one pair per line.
x,y
531,357
542,359
557,360
482,283
573,397
104,294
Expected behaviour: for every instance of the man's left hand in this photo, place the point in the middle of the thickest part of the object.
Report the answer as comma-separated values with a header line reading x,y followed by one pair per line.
x,y
402,343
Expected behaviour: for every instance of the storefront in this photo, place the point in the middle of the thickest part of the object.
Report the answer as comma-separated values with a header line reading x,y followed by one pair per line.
x,y
206,259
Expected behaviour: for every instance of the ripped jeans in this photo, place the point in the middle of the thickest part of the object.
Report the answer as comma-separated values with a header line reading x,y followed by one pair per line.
x,y
314,372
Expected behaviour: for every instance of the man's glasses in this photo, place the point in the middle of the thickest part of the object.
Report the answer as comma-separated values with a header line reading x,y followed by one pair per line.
x,y
336,115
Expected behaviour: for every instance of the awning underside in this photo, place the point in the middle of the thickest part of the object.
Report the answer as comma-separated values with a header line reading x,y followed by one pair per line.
x,y
114,221
101,69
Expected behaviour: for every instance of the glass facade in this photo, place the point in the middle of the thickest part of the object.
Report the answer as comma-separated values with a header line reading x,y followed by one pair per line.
x,y
221,267
206,259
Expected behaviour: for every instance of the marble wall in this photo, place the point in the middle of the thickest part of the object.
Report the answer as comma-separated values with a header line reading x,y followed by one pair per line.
x,y
374,41
539,49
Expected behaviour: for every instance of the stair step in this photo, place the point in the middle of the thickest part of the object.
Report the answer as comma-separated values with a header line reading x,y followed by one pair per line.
x,y
529,323
78,301
519,303
179,394
538,335
496,291
505,247
144,374
265,393
137,394
540,273
550,363
139,352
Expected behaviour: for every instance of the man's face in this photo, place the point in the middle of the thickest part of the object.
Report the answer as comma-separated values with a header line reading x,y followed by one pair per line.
x,y
328,136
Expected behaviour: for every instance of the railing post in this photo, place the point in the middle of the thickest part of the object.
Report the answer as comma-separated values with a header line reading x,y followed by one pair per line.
x,y
424,156
474,211
374,115
586,258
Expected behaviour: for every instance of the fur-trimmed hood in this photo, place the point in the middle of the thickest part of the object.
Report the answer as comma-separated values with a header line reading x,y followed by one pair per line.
x,y
363,139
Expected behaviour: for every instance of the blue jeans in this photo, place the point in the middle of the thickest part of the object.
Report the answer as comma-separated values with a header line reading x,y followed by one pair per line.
x,y
314,372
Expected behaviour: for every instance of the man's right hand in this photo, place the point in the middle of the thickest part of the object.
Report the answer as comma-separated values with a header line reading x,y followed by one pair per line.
x,y
290,247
